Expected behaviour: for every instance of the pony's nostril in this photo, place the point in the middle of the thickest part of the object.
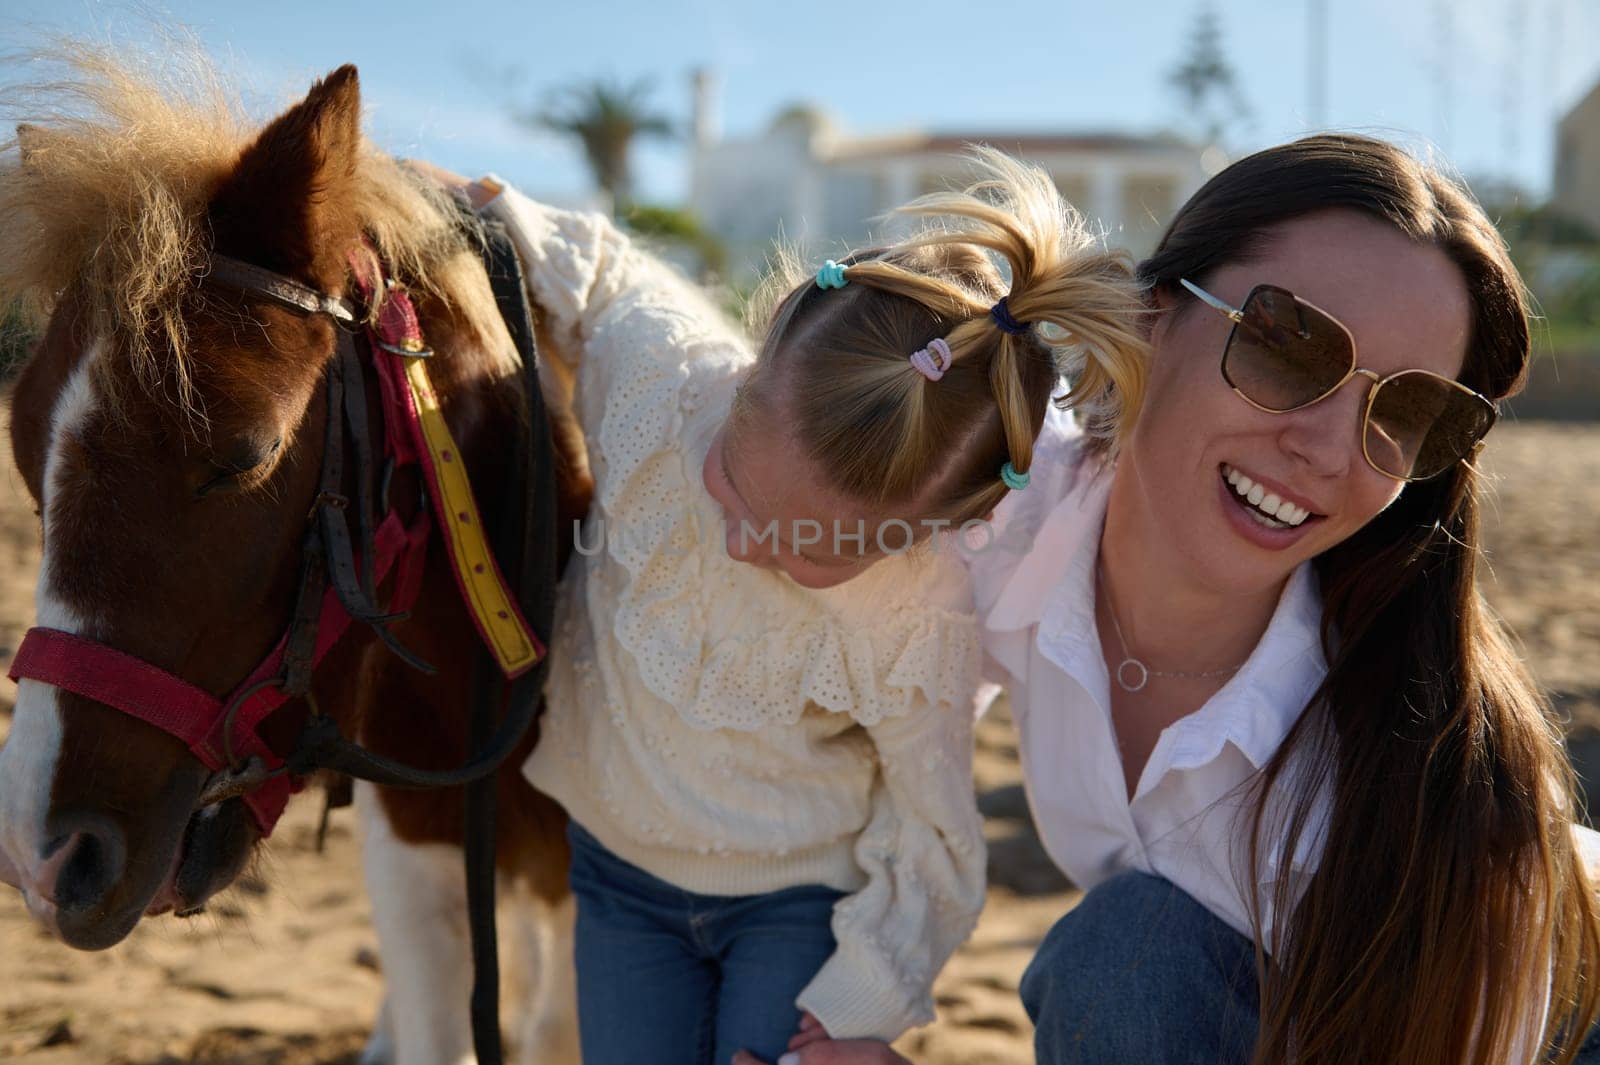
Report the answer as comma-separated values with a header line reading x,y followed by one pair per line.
x,y
88,863
85,875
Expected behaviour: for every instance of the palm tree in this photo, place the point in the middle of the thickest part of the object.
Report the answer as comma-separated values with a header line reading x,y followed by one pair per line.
x,y
605,117
1204,79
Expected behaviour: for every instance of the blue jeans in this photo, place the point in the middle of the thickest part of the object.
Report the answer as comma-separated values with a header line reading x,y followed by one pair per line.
x,y
1141,972
672,977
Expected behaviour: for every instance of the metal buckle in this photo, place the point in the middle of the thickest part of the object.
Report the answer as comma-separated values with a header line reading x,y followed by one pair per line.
x,y
327,499
231,783
407,348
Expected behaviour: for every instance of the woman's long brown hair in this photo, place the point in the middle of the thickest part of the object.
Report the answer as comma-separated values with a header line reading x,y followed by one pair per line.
x,y
1449,903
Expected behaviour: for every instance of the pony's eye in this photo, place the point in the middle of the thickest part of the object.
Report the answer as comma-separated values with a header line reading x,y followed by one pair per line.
x,y
225,474
220,480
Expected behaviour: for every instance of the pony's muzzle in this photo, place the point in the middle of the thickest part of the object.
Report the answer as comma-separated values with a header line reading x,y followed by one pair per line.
x,y
83,865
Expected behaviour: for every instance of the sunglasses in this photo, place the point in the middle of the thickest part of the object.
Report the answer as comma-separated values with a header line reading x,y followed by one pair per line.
x,y
1284,354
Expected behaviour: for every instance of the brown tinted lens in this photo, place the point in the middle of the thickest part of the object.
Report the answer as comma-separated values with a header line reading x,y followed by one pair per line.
x,y
1420,424
1284,354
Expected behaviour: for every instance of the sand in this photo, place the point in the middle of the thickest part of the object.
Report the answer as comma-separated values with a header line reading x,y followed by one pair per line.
x,y
282,970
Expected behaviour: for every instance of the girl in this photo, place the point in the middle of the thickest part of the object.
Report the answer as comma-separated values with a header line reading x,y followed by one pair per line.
x,y
760,703
1322,810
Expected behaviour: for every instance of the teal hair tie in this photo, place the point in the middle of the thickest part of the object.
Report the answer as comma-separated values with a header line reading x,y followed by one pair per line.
x,y
831,275
1013,479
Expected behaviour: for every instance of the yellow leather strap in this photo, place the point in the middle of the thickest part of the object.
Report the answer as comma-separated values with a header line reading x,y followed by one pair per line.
x,y
493,608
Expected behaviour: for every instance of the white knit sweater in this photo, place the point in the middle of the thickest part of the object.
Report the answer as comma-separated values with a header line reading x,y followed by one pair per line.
x,y
714,723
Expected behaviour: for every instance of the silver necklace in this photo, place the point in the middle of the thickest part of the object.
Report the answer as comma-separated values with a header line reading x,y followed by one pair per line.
x,y
1132,667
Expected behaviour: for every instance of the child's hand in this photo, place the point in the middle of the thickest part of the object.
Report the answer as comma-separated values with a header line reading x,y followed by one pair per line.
x,y
811,1031
438,174
477,193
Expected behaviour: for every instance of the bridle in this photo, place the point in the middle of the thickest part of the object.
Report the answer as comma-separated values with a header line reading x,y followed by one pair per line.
x,y
222,732
347,551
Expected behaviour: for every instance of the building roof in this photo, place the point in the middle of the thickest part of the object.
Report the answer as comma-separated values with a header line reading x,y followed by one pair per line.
x,y
1024,144
1588,102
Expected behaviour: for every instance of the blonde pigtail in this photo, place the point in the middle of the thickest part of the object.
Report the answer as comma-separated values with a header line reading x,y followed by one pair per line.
x,y
1008,280
1061,278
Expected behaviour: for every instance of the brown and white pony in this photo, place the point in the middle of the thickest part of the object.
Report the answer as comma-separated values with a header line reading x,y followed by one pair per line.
x,y
171,432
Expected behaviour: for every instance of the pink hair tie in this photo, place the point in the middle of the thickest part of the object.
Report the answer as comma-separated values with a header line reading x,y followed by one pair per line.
x,y
923,360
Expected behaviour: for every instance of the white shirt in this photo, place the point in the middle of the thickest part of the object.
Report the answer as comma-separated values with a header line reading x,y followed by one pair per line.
x,y
1191,812
1189,817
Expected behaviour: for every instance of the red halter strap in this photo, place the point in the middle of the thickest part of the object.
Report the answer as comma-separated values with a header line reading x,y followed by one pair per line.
x,y
196,717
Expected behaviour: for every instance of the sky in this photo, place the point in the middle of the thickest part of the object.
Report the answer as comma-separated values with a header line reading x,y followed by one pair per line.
x,y
1479,81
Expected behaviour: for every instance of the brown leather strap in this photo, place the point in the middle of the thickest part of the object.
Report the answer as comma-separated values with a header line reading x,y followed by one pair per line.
x,y
347,408
285,291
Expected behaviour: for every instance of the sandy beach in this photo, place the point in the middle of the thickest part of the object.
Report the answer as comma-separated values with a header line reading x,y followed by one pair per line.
x,y
282,969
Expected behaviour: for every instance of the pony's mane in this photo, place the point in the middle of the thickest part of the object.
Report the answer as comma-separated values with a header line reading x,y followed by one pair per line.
x,y
104,191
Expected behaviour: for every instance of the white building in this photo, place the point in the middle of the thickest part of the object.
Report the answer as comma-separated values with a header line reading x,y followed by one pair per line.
x,y
824,190
1576,191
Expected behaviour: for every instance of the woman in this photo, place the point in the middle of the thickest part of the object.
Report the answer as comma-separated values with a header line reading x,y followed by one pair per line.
x,y
1322,810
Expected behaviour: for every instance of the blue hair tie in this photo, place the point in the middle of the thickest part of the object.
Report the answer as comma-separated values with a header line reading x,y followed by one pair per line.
x,y
1002,318
1013,479
831,275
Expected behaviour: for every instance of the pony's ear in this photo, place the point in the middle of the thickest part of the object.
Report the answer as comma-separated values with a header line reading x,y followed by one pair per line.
x,y
287,204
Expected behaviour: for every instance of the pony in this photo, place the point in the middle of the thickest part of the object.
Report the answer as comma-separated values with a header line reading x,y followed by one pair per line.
x,y
171,430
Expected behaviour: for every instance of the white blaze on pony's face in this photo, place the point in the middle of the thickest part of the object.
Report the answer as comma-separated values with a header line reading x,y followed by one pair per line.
x,y
28,759
93,804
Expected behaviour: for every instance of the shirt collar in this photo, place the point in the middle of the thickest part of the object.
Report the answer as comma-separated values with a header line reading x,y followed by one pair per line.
x,y
1258,706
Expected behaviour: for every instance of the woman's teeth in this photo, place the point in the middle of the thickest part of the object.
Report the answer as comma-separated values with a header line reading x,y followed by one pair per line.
x,y
1264,506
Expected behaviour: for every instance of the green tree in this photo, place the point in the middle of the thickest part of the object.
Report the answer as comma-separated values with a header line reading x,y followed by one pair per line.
x,y
674,225
16,340
1205,81
605,117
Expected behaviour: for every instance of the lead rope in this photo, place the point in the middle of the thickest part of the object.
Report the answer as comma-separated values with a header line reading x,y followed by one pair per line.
x,y
527,541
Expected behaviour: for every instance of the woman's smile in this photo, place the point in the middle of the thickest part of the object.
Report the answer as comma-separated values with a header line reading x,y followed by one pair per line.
x,y
1251,522
1276,507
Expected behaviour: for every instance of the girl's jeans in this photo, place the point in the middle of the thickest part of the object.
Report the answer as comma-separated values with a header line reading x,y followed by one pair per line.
x,y
1140,972
669,977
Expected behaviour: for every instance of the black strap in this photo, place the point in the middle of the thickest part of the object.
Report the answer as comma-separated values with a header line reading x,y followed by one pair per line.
x,y
355,409
525,543
247,277
478,858
300,649
353,586
534,555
